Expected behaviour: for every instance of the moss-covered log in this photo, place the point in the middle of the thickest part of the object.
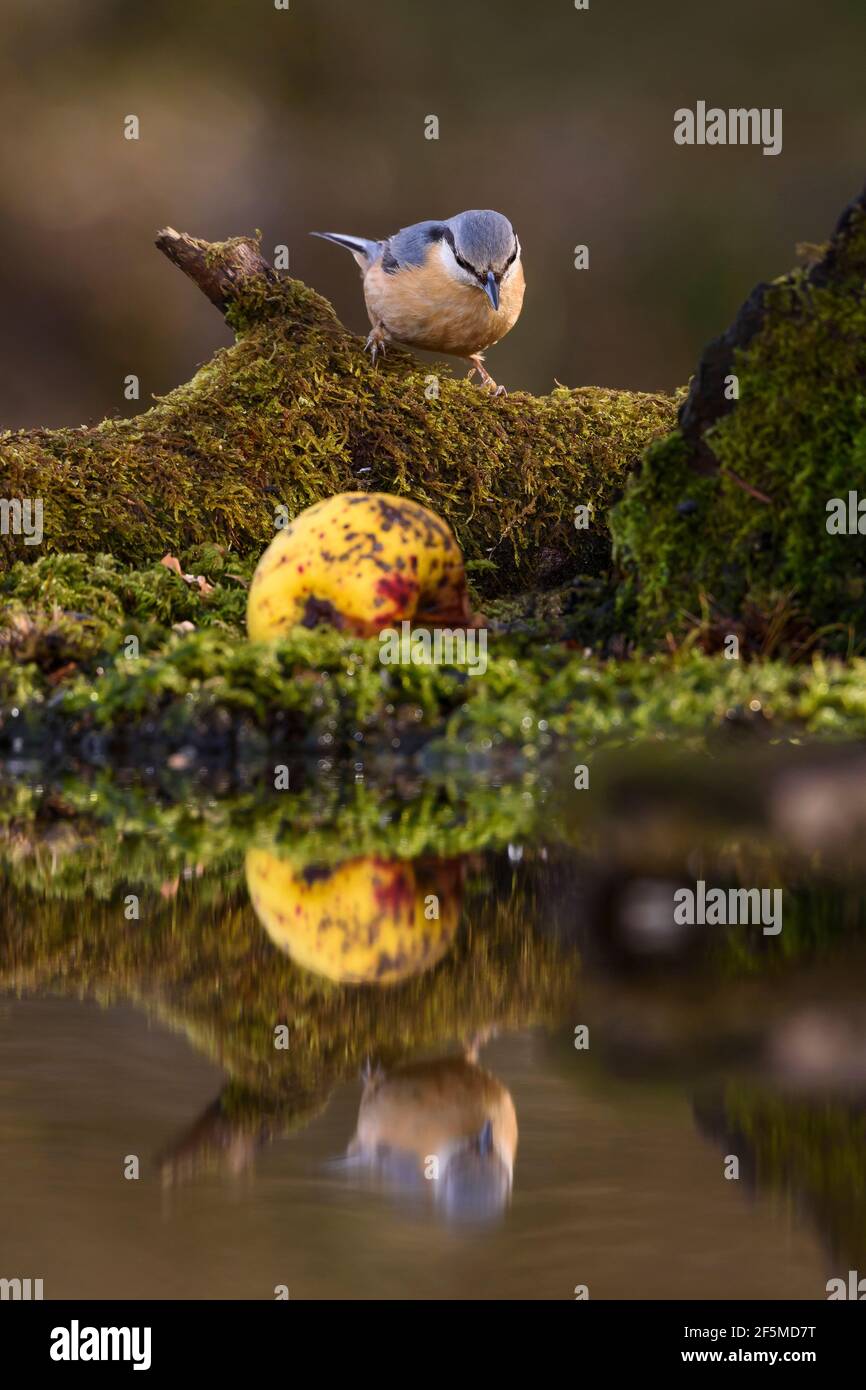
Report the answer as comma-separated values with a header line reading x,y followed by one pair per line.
x,y
722,529
726,524
294,411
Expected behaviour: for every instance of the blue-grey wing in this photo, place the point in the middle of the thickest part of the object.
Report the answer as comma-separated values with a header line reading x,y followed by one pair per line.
x,y
410,246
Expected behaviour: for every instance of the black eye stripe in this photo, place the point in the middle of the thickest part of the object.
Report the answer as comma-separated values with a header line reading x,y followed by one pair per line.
x,y
470,269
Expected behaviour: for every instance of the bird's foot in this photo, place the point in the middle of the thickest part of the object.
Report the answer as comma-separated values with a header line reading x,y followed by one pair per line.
x,y
372,1074
377,340
473,1045
487,381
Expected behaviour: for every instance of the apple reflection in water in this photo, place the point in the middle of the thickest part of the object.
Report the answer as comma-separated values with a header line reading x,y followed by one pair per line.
x,y
368,920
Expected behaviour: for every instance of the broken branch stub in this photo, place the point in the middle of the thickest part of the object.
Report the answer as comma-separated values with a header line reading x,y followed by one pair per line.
x,y
220,269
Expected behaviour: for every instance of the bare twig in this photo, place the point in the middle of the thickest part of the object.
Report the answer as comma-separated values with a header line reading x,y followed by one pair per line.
x,y
221,268
747,487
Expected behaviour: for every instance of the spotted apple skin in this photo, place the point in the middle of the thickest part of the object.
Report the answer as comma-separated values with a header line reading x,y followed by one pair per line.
x,y
360,562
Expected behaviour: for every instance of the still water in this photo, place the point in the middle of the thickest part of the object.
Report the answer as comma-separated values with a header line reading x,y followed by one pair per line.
x,y
412,1036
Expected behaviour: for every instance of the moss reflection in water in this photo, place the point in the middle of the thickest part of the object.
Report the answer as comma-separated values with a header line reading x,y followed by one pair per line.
x,y
522,940
810,1151
198,958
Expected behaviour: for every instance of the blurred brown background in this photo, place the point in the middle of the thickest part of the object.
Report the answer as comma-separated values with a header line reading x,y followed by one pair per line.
x,y
314,118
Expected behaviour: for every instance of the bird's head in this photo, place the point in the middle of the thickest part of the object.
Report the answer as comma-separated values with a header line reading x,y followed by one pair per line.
x,y
481,249
476,1183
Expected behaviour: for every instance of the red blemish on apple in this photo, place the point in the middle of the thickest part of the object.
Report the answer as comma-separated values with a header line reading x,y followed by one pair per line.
x,y
398,589
394,893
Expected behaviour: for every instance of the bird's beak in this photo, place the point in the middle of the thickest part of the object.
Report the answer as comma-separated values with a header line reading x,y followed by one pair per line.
x,y
491,289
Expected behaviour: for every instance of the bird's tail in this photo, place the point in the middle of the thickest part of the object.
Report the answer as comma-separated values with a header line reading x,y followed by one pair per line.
x,y
364,250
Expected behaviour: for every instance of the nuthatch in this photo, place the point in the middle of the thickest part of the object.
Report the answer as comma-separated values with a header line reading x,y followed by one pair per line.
x,y
454,286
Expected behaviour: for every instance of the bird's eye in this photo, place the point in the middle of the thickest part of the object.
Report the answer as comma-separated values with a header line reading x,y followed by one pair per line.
x,y
464,265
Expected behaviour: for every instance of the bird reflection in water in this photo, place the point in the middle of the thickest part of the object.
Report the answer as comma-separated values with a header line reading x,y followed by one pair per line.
x,y
444,1131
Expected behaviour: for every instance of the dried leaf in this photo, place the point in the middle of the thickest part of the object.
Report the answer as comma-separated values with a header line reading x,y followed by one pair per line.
x,y
172,563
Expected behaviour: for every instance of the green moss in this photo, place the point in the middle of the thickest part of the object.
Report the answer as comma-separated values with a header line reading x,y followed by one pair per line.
x,y
657,545
116,595
701,547
69,671
294,412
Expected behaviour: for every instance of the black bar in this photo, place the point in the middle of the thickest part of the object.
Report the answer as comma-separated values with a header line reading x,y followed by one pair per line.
x,y
232,1337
